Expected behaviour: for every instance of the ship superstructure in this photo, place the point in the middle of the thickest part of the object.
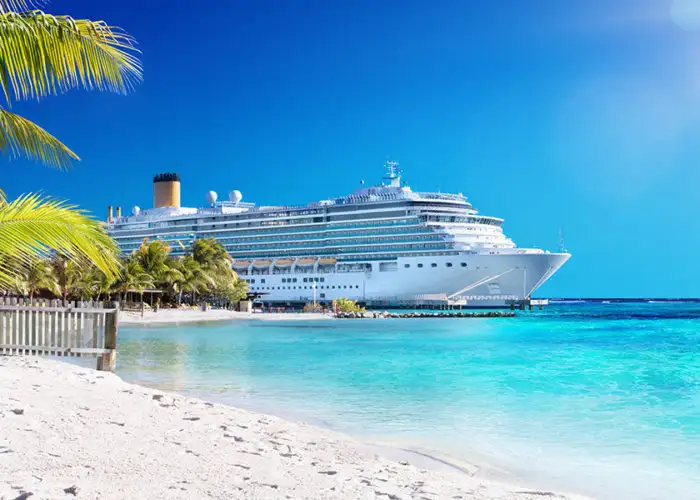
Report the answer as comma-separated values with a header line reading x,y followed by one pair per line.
x,y
384,244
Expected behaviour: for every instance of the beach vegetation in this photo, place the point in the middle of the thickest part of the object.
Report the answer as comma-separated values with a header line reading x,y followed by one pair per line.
x,y
204,272
43,55
346,305
312,308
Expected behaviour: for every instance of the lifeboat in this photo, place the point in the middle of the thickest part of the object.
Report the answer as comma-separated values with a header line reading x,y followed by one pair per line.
x,y
306,262
327,261
284,262
241,264
262,263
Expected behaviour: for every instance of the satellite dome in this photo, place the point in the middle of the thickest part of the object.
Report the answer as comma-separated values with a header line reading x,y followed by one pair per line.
x,y
211,197
235,196
136,210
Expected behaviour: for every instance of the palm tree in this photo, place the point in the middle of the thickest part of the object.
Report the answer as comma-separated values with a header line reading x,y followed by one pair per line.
x,y
211,255
36,276
133,277
193,278
155,260
31,227
41,55
66,274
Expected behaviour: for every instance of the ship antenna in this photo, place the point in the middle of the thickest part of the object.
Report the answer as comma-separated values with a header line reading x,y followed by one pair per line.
x,y
393,173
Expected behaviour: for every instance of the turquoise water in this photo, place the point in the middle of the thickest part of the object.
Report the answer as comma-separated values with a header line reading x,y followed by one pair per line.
x,y
599,399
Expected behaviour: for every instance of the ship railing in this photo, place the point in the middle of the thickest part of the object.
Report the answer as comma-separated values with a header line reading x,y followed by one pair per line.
x,y
441,196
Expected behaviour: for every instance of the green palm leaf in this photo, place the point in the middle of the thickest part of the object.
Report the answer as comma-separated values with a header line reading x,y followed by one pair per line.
x,y
19,5
19,136
34,226
42,54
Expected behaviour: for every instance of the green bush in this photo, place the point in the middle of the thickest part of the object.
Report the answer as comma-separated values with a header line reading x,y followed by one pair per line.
x,y
346,305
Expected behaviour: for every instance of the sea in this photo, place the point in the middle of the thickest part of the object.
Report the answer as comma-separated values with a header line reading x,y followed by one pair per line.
x,y
600,398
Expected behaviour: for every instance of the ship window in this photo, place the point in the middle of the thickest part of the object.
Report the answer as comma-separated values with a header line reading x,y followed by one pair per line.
x,y
357,286
323,279
420,265
294,280
448,264
304,280
323,295
284,280
333,287
407,266
463,264
433,264
262,280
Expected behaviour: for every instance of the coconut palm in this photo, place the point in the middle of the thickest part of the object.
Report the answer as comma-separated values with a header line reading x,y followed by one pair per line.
x,y
66,274
32,227
134,278
36,276
193,279
41,55
211,255
155,260
93,284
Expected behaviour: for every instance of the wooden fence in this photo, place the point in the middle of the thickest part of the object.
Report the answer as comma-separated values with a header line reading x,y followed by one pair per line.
x,y
50,328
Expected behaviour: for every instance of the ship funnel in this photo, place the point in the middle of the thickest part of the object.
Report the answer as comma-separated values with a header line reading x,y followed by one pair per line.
x,y
119,212
109,214
166,190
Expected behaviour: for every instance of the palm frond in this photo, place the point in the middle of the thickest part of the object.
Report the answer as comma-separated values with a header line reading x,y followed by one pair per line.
x,y
20,5
34,226
21,137
42,54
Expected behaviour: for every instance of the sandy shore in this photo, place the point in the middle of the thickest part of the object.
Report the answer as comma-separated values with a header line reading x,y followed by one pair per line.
x,y
73,432
174,316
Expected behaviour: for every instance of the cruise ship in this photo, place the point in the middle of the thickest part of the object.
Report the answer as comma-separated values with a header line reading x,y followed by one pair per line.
x,y
381,245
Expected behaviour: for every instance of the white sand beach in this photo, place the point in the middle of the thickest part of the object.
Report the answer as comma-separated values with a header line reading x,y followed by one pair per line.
x,y
68,431
175,316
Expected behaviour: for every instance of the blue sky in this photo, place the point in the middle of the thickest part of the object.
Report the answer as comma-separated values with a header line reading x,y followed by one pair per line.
x,y
581,115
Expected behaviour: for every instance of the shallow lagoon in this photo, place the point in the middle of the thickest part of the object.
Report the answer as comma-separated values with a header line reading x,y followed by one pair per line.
x,y
601,399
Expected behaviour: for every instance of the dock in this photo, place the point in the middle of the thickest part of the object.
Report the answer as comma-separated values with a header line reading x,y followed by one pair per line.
x,y
385,314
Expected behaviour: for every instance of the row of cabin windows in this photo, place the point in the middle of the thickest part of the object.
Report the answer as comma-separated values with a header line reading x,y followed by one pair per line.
x,y
447,264
326,287
252,281
306,280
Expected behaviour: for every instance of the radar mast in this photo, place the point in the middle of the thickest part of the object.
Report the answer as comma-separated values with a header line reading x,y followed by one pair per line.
x,y
393,174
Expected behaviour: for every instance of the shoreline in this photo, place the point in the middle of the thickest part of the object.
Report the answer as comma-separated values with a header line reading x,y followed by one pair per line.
x,y
180,316
66,426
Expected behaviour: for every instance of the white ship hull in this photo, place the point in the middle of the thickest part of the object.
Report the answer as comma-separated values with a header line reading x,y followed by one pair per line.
x,y
487,280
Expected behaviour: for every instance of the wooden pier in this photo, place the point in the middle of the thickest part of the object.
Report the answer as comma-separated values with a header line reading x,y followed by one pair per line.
x,y
52,328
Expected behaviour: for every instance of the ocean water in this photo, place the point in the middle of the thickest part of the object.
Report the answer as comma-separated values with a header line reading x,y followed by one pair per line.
x,y
598,399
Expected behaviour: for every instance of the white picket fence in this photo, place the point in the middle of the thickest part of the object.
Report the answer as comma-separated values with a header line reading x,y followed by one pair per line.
x,y
52,328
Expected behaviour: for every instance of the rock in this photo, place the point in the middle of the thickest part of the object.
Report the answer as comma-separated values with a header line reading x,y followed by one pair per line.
x,y
71,490
403,462
18,411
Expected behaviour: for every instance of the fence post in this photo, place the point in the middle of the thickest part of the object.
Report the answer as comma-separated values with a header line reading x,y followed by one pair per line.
x,y
108,361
